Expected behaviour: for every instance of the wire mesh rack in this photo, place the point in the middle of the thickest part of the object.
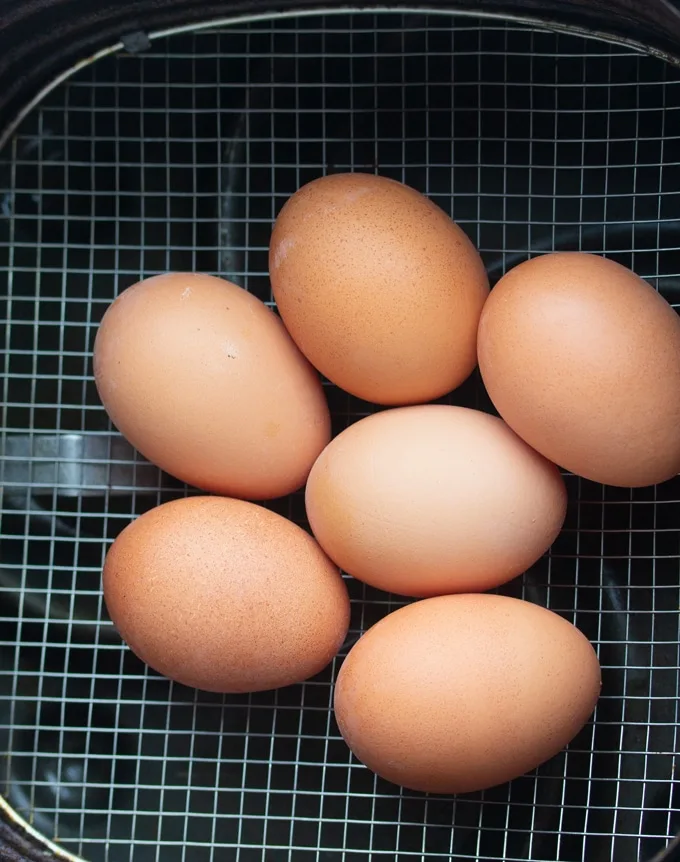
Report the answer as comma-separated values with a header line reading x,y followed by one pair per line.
x,y
179,158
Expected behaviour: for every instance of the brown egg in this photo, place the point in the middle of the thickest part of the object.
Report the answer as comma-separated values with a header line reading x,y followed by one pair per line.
x,y
434,499
225,595
582,359
204,380
459,693
379,288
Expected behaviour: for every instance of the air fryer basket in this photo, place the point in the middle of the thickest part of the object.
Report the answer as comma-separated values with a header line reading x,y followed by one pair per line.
x,y
177,154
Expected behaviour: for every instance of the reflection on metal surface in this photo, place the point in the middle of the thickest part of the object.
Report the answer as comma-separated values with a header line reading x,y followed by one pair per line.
x,y
74,465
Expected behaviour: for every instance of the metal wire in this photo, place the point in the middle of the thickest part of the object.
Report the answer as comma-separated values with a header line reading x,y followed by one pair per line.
x,y
180,158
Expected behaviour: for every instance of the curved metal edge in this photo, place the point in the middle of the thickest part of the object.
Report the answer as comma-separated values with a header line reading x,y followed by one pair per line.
x,y
544,23
466,12
20,842
670,853
45,91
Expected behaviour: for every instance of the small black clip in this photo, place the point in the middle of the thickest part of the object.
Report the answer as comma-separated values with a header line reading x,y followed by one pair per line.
x,y
137,42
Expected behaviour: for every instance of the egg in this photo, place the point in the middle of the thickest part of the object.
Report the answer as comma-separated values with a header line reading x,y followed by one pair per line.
x,y
203,379
434,499
225,595
581,357
380,290
459,693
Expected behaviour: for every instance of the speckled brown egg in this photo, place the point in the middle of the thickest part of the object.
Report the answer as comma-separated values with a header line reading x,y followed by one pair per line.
x,y
434,499
459,693
204,380
581,357
225,596
381,291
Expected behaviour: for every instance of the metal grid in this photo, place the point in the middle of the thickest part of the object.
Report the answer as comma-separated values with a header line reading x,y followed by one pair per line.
x,y
180,158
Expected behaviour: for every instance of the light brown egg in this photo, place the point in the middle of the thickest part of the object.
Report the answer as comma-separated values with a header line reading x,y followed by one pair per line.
x,y
581,357
204,380
379,288
460,693
224,595
434,499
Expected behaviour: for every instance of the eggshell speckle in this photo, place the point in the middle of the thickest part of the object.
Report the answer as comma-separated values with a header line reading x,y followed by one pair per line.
x,y
378,287
581,357
224,595
434,499
459,693
204,380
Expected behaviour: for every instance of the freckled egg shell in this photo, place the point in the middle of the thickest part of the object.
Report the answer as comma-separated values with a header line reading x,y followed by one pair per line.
x,y
581,357
381,291
459,693
224,595
204,380
434,499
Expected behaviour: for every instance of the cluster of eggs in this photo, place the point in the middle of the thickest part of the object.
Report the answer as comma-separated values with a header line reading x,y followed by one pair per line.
x,y
380,291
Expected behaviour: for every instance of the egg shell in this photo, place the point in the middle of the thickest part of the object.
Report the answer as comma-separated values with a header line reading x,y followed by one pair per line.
x,y
204,380
459,693
379,288
434,499
225,596
581,357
